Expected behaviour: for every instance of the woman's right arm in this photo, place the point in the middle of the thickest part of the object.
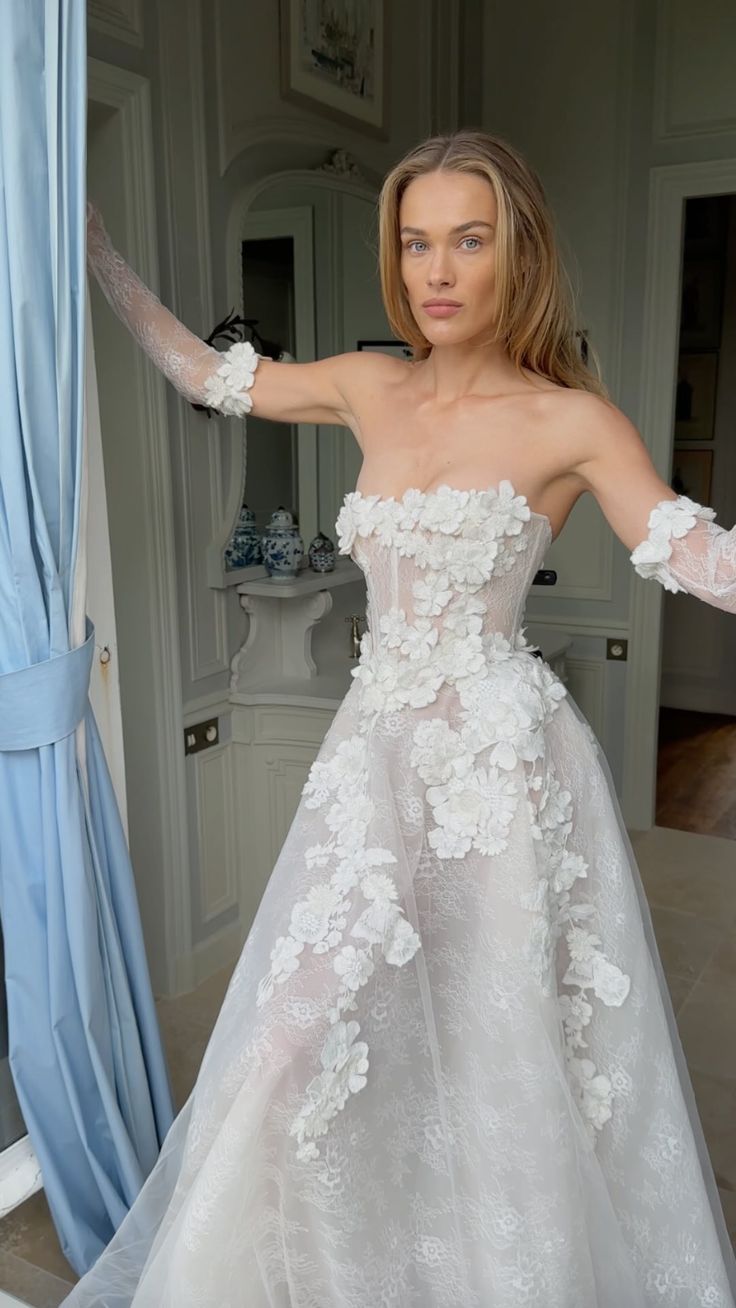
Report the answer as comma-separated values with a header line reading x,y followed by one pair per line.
x,y
225,381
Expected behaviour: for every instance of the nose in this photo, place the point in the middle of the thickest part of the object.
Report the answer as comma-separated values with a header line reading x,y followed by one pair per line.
x,y
440,272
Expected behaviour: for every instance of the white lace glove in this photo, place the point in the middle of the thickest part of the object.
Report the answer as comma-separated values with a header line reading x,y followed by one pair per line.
x,y
201,373
686,550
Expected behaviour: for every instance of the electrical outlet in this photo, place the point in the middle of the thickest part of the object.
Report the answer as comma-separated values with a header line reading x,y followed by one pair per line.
x,y
203,735
617,649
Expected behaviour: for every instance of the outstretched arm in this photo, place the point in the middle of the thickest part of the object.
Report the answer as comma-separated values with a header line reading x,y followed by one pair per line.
x,y
226,381
672,539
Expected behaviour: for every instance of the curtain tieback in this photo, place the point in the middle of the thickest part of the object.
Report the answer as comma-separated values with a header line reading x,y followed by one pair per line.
x,y
47,700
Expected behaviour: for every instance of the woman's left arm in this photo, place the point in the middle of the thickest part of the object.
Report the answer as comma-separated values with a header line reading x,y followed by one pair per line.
x,y
672,538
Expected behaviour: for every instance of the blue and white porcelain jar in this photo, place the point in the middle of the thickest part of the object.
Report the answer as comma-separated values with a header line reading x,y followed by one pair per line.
x,y
321,553
282,546
244,546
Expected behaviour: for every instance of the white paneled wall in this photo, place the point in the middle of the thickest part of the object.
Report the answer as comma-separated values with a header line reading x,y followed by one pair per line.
x,y
596,98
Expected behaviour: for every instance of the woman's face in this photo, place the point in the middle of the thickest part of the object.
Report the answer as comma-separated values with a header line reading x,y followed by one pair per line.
x,y
447,224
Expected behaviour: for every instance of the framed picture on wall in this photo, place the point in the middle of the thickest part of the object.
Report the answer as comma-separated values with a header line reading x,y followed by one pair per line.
x,y
695,401
334,60
701,304
691,474
706,224
399,349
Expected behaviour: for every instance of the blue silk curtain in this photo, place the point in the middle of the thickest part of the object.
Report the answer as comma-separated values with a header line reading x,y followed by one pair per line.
x,y
85,1050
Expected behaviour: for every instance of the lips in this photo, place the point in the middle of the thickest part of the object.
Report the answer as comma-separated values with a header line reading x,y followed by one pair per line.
x,y
442,310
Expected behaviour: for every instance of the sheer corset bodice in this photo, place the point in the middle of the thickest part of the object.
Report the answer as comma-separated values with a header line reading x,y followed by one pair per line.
x,y
447,576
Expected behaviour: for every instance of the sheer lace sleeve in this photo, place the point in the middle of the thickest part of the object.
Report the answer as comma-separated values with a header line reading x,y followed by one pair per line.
x,y
201,373
686,550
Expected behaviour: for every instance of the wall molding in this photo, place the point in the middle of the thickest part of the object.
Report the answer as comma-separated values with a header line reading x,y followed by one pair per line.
x,y
586,680
665,125
217,834
206,612
121,19
129,94
578,624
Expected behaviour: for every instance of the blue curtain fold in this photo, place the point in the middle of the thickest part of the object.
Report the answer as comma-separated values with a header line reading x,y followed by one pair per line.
x,y
85,1050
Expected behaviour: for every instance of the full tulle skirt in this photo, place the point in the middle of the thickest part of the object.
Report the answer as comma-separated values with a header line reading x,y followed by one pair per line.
x,y
441,1076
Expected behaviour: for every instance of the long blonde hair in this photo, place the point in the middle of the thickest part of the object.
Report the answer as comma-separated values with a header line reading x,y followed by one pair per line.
x,y
536,317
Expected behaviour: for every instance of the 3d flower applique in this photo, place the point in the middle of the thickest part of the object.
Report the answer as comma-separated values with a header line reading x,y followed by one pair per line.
x,y
227,388
345,1065
415,640
667,520
318,922
443,511
432,593
558,916
472,805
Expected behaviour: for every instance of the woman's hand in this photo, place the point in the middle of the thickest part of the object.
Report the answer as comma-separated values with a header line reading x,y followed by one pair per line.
x,y
96,230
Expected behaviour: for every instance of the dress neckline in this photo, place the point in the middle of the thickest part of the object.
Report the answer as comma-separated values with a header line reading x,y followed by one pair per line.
x,y
460,490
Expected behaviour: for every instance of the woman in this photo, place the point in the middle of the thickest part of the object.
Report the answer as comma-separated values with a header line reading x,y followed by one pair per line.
x,y
446,1071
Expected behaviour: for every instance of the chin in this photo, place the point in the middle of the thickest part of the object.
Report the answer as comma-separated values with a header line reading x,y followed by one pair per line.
x,y
446,335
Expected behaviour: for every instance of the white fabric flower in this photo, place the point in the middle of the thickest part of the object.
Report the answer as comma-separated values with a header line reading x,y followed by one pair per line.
x,y
439,753
609,982
284,955
227,388
355,966
668,519
378,886
431,594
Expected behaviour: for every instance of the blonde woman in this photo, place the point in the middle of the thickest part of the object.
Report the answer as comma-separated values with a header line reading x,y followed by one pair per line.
x,y
446,1072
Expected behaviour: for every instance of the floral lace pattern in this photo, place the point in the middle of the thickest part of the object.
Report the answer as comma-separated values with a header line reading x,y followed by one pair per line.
x,y
227,388
320,919
686,550
668,520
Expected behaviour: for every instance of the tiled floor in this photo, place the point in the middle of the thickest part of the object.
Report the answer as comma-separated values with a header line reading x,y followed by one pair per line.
x,y
690,882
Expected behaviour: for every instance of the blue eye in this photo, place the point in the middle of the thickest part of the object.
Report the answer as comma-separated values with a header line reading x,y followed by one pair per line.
x,y
410,244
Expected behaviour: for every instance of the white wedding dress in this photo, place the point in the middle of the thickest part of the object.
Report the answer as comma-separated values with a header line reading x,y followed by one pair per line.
x,y
446,1073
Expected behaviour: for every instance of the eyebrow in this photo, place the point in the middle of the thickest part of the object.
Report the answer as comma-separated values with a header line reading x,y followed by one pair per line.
x,y
474,222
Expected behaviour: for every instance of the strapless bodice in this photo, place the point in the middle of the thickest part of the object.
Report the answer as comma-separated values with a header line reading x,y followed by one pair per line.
x,y
447,575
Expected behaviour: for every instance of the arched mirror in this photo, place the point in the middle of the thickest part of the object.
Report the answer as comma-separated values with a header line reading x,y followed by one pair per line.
x,y
302,252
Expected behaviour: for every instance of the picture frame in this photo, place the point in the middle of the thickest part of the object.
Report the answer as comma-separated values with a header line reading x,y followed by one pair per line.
x,y
706,225
695,395
399,349
692,474
335,60
701,304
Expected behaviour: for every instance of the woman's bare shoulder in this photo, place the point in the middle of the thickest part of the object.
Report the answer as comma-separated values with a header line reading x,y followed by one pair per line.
x,y
591,425
370,364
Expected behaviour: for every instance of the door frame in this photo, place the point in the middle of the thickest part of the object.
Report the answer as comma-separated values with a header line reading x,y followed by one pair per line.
x,y
669,187
129,94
